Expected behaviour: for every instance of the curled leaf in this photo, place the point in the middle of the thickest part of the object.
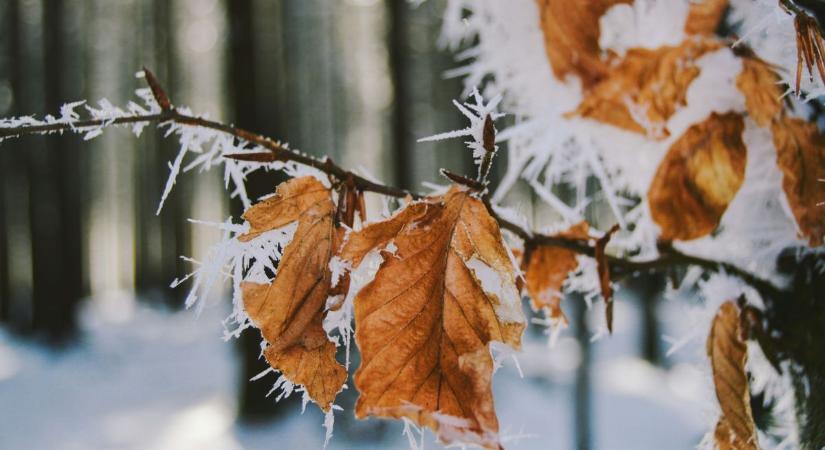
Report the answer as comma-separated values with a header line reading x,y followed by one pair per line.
x,y
604,274
642,91
810,47
424,323
800,155
571,36
759,83
289,310
546,268
728,353
704,16
701,173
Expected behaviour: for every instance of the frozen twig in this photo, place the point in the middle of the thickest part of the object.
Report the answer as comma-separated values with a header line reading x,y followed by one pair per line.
x,y
619,266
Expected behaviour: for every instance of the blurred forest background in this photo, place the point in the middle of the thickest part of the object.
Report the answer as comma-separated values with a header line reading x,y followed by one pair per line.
x,y
358,80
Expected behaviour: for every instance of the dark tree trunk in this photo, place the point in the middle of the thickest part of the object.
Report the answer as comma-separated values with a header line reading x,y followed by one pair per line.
x,y
6,98
582,391
248,111
795,334
649,287
400,66
55,197
161,239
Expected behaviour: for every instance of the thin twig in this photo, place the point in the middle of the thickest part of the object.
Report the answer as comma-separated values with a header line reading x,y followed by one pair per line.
x,y
619,266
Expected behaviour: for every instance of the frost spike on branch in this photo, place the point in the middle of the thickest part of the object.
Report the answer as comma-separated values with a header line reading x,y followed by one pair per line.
x,y
668,256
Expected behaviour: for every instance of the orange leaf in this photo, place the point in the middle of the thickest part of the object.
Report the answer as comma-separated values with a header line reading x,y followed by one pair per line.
x,y
726,440
704,16
571,37
604,274
800,154
545,270
642,91
424,323
759,83
728,354
289,311
699,177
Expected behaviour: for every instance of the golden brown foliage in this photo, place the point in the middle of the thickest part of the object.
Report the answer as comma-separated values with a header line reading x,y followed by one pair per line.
x,y
759,83
571,37
289,311
726,440
698,178
424,323
642,91
728,353
704,16
546,269
800,155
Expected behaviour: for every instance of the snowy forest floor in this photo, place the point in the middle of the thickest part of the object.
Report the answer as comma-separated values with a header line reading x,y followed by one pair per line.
x,y
151,379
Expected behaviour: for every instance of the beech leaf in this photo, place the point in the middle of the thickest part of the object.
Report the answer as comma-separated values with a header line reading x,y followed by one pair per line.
x,y
800,155
728,353
759,83
545,269
289,310
424,323
701,173
704,16
643,90
571,35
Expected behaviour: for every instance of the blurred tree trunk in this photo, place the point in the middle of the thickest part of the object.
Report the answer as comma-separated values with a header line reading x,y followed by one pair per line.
x,y
649,288
400,66
7,22
161,239
250,111
582,391
56,183
423,97
15,185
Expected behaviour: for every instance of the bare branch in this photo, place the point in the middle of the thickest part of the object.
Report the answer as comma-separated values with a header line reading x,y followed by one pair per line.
x,y
619,266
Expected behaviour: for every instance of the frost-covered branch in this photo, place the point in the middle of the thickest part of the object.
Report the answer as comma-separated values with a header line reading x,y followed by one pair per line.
x,y
161,111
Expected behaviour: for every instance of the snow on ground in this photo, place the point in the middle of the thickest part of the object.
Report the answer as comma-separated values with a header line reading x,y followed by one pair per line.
x,y
157,380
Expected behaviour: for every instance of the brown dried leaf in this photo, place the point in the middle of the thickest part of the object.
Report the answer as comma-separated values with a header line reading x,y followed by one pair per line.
x,y
728,354
759,83
726,440
571,37
641,92
604,275
800,154
704,16
424,323
545,271
698,178
289,311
